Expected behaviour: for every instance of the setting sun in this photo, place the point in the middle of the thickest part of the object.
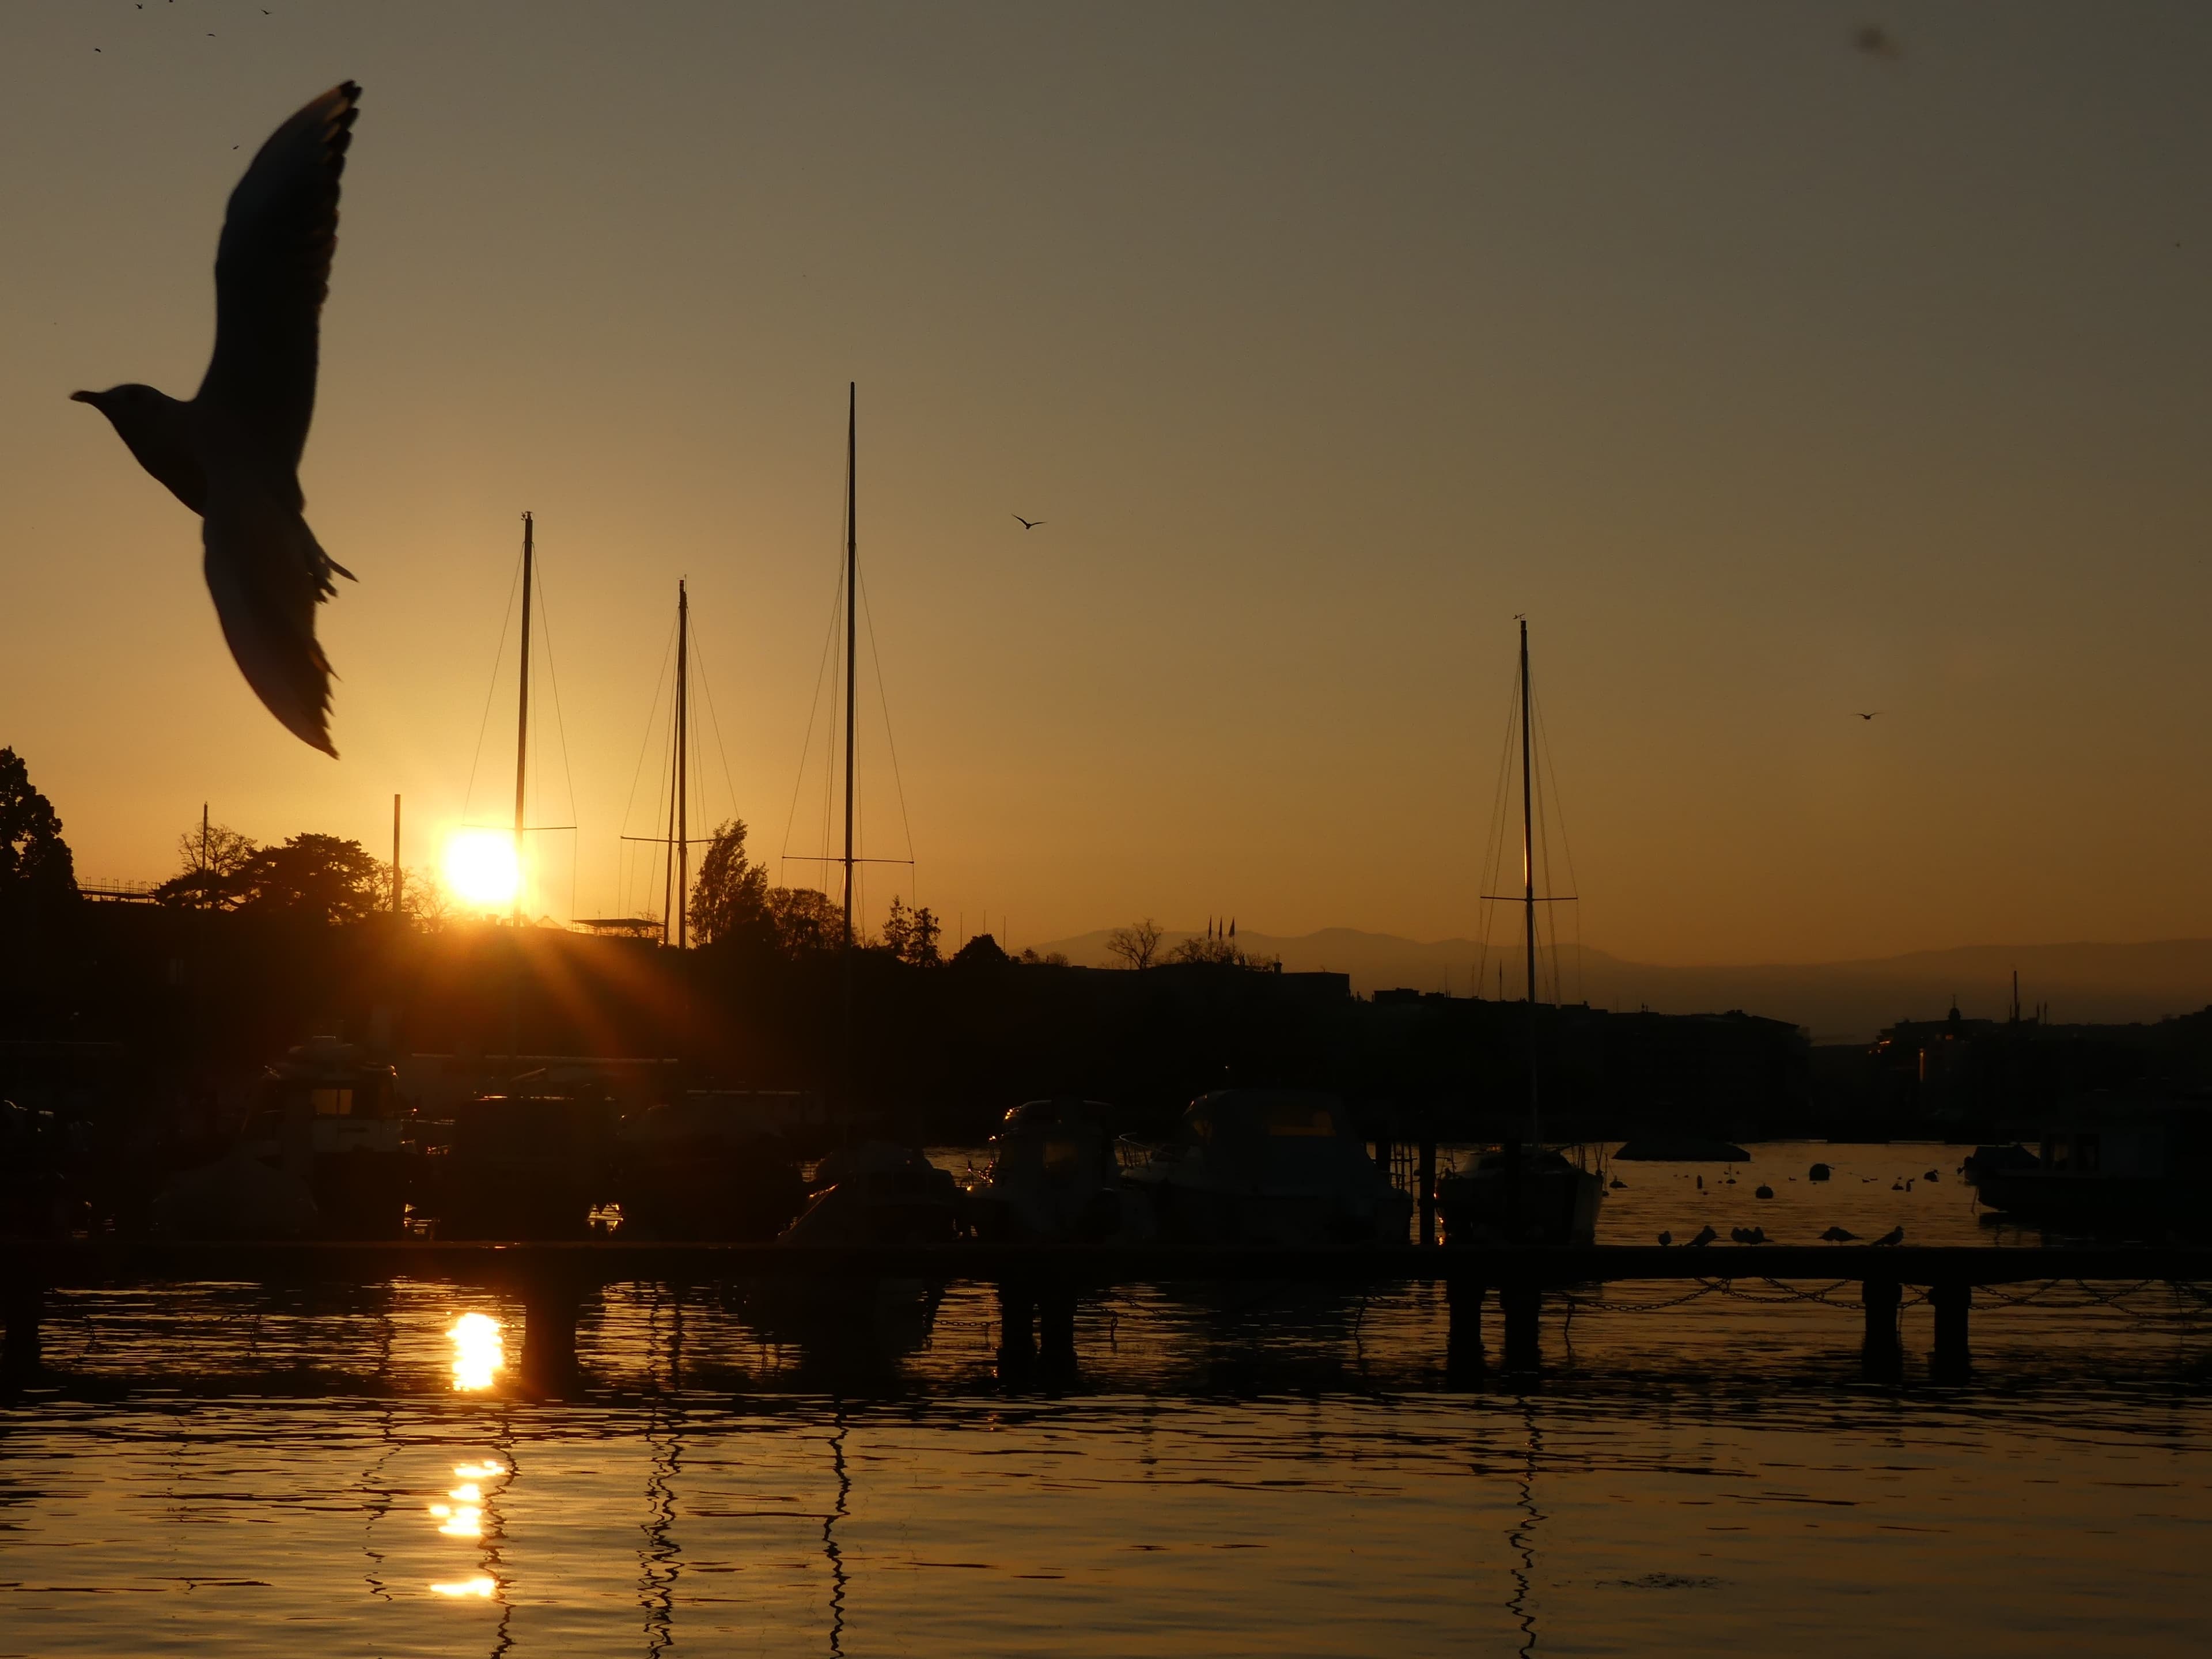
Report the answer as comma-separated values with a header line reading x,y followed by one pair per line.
x,y
481,867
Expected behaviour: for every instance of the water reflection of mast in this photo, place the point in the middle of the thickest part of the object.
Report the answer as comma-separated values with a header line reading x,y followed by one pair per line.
x,y
1521,1539
660,1560
836,1556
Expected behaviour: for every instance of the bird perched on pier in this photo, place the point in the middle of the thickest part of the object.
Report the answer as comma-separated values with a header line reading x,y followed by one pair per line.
x,y
1748,1235
1705,1236
231,454
1895,1236
1840,1236
1666,1238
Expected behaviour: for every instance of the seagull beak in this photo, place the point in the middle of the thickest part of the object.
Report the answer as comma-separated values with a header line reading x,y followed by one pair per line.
x,y
92,398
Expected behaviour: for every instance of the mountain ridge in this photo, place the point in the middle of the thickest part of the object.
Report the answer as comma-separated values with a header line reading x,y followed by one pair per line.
x,y
2082,982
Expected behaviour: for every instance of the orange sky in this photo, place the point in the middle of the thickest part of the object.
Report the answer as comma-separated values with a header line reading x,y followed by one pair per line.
x,y
1772,380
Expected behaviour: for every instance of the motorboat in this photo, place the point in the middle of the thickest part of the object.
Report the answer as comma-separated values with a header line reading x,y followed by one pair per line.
x,y
878,1193
2107,1160
523,1166
1053,1174
1521,1194
706,1166
330,1118
1264,1167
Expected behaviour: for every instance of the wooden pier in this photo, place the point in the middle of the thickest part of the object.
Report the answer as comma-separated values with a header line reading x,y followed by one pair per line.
x,y
1038,1285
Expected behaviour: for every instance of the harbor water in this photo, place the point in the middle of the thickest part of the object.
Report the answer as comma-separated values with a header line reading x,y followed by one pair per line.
x,y
1698,1468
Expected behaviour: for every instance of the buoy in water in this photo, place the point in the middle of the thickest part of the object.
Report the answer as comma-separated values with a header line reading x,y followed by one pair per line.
x,y
1762,1192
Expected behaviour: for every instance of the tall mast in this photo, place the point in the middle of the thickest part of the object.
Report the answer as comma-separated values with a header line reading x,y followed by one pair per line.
x,y
1528,886
522,716
683,751
852,634
395,855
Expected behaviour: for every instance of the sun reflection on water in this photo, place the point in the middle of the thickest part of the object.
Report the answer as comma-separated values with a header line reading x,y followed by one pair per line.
x,y
480,1586
479,1354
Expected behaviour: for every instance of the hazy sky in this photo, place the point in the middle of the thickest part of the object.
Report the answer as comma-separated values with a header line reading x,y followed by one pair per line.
x,y
1772,379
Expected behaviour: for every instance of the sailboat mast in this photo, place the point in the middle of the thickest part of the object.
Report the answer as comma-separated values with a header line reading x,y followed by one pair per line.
x,y
852,625
522,715
683,751
1529,885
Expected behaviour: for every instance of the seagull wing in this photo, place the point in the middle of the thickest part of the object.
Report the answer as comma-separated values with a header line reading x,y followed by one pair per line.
x,y
272,269
267,574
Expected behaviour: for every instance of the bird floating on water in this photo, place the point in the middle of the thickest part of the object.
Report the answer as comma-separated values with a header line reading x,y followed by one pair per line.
x,y
231,454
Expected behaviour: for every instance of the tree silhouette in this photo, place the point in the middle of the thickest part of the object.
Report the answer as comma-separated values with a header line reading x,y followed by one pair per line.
x,y
803,919
214,862
730,896
911,935
1137,945
37,875
320,876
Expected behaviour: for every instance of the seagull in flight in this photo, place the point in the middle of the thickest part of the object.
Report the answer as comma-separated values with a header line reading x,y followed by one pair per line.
x,y
231,454
1027,523
1868,714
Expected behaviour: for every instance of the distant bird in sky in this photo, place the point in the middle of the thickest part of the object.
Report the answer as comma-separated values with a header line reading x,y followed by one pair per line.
x,y
1705,1236
1876,42
1895,1236
1027,523
1839,1235
231,454
1868,714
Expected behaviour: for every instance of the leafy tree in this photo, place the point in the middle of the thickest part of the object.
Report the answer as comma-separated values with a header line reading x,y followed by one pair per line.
x,y
911,935
1210,948
731,894
323,876
802,918
1138,945
37,874
212,869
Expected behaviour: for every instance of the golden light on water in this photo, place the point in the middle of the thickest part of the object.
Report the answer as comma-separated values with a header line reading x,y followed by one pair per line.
x,y
480,1587
480,868
479,1354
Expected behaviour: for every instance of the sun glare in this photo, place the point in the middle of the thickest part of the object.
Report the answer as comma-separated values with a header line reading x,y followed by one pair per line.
x,y
481,867
479,1353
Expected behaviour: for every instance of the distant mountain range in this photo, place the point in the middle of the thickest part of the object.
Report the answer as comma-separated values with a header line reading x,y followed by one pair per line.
x,y
1838,1001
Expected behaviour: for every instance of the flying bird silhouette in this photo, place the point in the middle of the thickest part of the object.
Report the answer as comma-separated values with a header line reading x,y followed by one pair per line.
x,y
1027,523
231,454
1869,715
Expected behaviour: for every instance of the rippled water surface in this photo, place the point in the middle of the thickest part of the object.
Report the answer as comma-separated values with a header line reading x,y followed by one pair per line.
x,y
1233,1470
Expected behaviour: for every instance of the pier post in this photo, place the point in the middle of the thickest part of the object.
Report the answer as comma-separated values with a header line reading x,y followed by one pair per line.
x,y
21,1358
1522,1300
1881,1356
550,1303
1057,1329
1951,1302
1016,1328
1464,1331
1426,1195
